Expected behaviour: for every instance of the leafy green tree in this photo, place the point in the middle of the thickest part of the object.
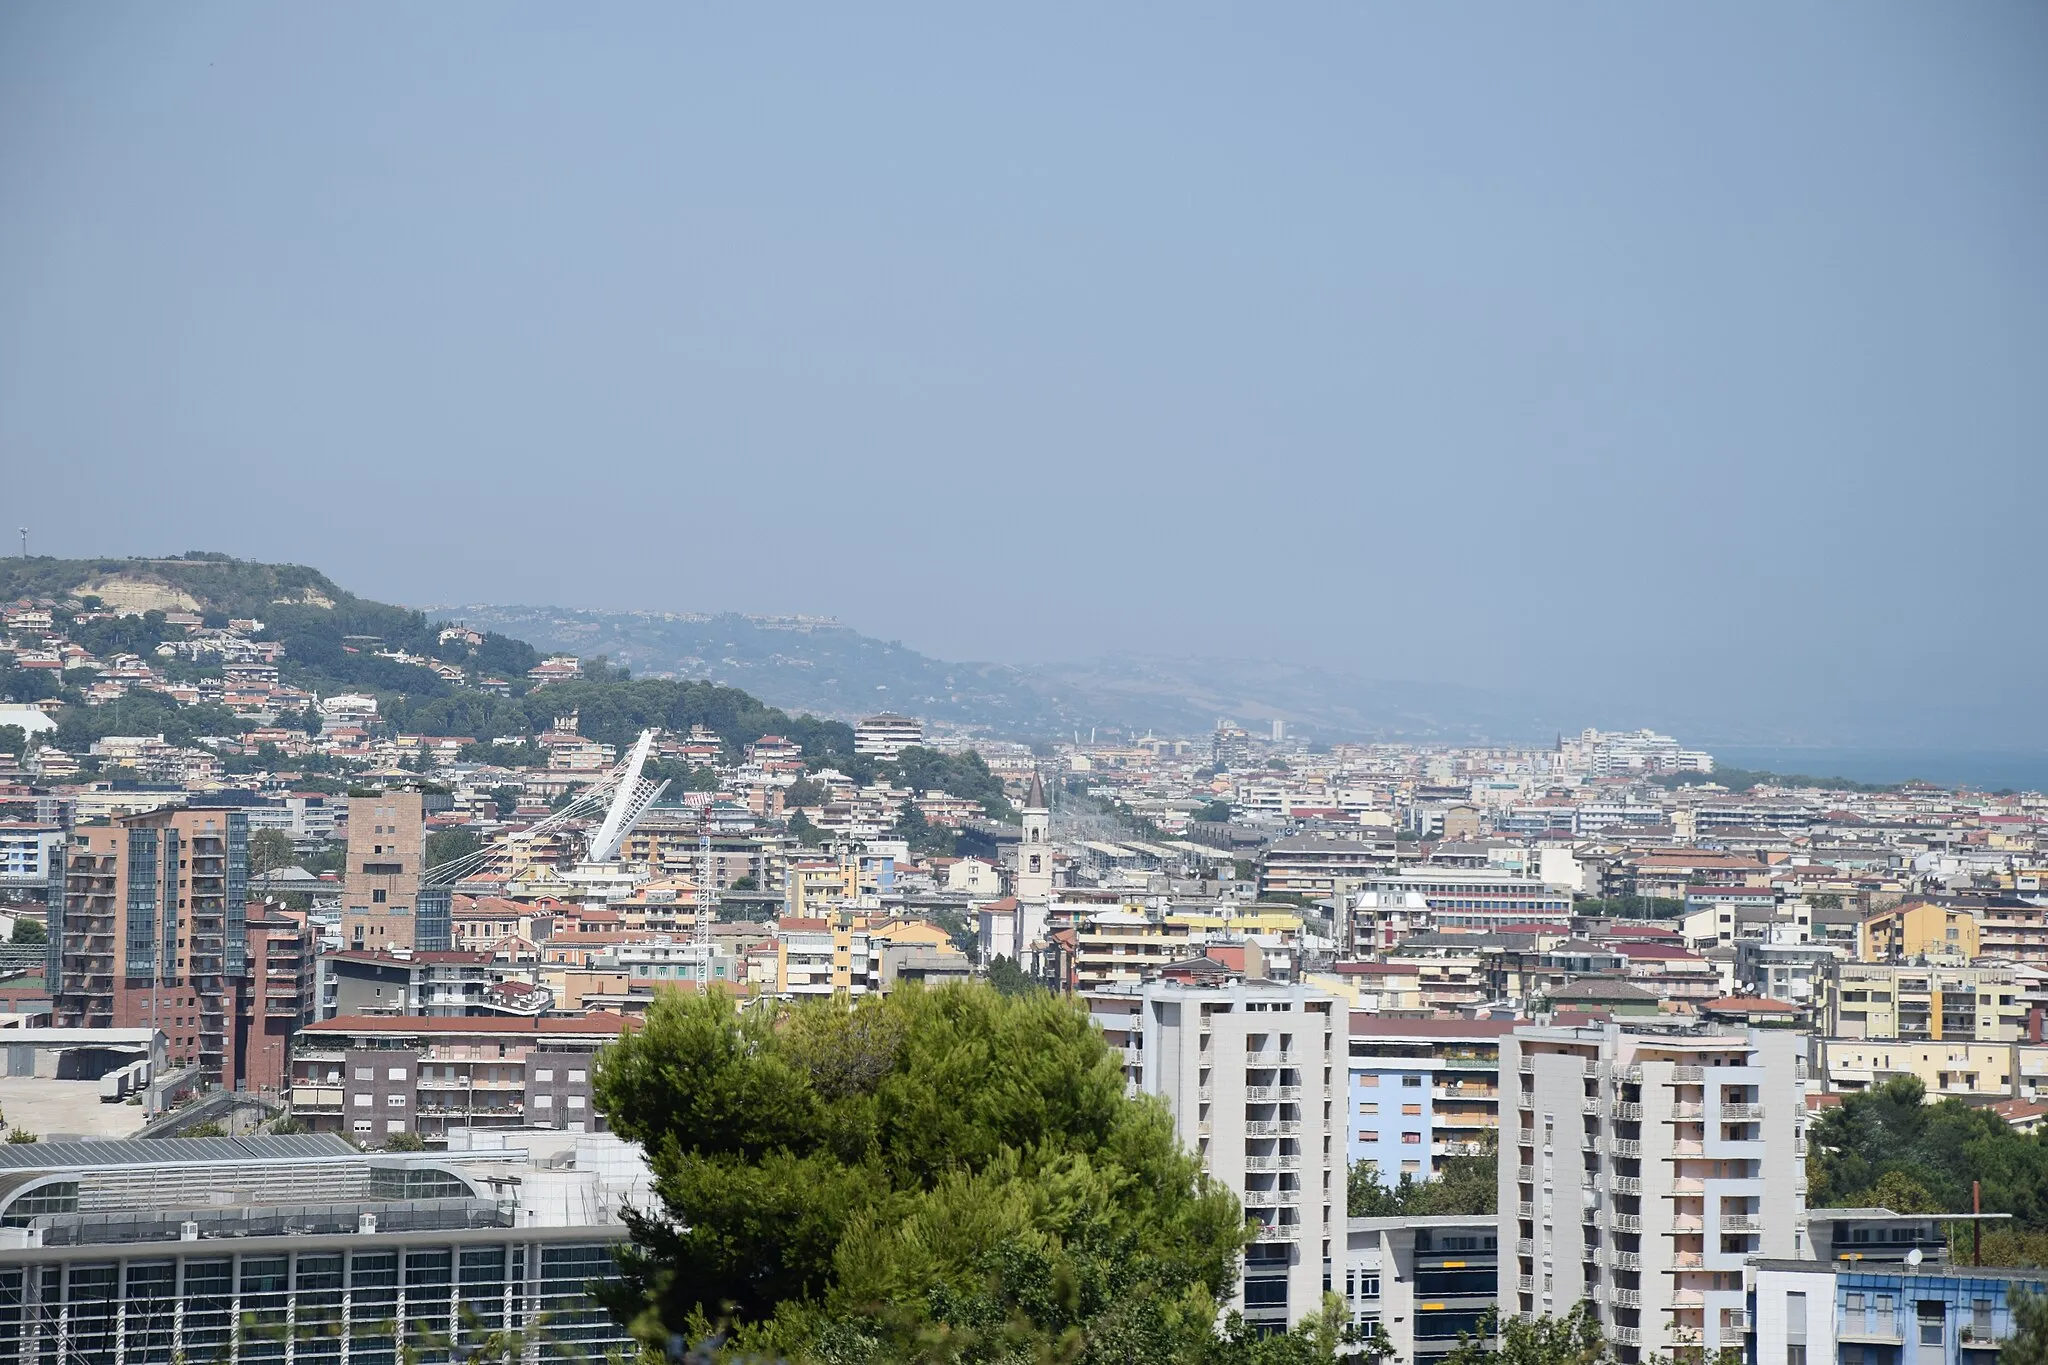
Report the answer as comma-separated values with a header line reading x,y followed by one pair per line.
x,y
938,1175
807,834
1936,1150
1465,1185
1573,1339
804,791
13,740
405,1142
446,845
1217,812
2028,1344
269,850
210,1128
27,930
1009,979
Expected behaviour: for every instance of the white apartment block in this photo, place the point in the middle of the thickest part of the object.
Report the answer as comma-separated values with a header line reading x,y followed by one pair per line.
x,y
1253,1073
1640,1170
887,735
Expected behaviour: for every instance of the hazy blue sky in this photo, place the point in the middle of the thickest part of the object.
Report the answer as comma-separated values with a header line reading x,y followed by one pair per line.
x,y
1693,358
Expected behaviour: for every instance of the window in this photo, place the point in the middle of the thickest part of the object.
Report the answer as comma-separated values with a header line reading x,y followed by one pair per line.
x,y
362,1101
1933,1316
575,1101
367,1073
1411,1082
1369,1136
543,1101
1411,1139
394,1125
1368,1286
1368,1107
362,1125
378,897
578,1077
1411,1168
394,1101
546,1073
396,1073
1411,1109
1368,1082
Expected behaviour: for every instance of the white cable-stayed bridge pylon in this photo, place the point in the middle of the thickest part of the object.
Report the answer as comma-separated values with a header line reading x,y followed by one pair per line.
x,y
622,794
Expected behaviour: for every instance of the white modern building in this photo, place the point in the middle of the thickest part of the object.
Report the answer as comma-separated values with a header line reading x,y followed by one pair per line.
x,y
1641,1170
887,735
1254,1073
1424,1281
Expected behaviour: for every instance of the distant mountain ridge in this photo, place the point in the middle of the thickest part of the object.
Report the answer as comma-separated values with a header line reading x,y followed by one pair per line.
x,y
820,665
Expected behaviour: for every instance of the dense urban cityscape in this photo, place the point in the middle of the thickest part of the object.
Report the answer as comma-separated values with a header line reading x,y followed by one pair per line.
x,y
290,963
1068,684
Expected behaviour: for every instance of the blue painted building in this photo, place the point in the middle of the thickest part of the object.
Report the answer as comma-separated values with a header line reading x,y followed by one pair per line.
x,y
1875,1313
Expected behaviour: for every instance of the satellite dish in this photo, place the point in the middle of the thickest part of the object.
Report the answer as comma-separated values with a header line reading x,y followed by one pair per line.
x,y
1914,1256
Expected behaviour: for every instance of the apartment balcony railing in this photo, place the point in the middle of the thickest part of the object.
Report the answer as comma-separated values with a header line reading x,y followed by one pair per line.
x,y
1626,1336
1628,1111
1741,1222
1268,1093
1734,1320
1627,1260
1869,1325
1734,1112
1686,1184
1272,1163
1277,1232
1525,1246
1266,1061
1525,1174
1527,1066
1689,1260
1687,1112
1630,1075
1627,1222
1525,1210
1627,1184
1269,1128
1525,1283
1626,1298
1628,1147
1688,1298
1688,1075
1594,1105
1688,1149
1687,1222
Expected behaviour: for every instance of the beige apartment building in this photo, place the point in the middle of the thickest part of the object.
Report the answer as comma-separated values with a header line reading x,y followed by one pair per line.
x,y
1949,1069
1954,1002
381,883
1639,1172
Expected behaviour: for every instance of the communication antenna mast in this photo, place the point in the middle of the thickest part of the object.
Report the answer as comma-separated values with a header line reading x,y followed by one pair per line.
x,y
24,540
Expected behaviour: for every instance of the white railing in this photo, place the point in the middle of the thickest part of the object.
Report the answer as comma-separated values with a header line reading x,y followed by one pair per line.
x,y
1626,1147
1628,1112
1688,1075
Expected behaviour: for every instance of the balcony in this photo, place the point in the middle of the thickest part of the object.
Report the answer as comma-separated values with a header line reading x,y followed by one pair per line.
x,y
1277,1232
1688,1298
1594,1105
1870,1325
1626,1336
1739,1112
1627,1147
1627,1222
1688,1075
1628,1112
1741,1222
1734,1320
1630,1075
1525,1246
1627,1184
1625,1298
1267,1060
1525,1210
1688,1113
1525,1283
1689,1260
1627,1260
1269,1128
1686,1184
1272,1163
1266,1094
1525,1174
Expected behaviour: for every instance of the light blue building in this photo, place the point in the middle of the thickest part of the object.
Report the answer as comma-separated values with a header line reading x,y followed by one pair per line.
x,y
1877,1313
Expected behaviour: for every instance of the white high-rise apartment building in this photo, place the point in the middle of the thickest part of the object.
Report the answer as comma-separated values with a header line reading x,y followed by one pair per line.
x,y
887,735
1254,1075
1640,1170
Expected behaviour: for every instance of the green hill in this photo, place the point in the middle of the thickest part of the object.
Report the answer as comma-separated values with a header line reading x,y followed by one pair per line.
x,y
332,638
